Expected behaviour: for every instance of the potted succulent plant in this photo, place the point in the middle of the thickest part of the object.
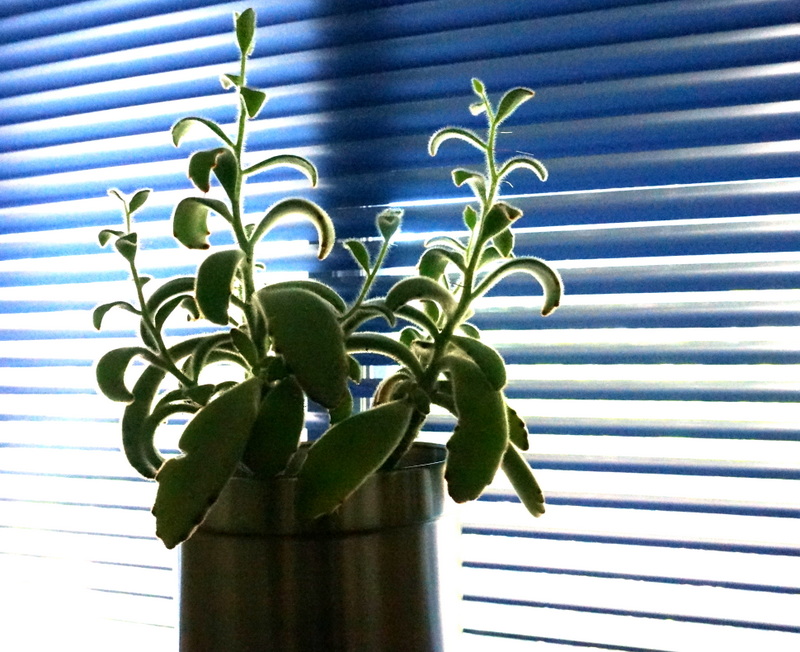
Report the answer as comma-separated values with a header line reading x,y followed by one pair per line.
x,y
303,531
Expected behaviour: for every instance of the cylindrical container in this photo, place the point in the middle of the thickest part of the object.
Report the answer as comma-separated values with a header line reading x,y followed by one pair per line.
x,y
364,579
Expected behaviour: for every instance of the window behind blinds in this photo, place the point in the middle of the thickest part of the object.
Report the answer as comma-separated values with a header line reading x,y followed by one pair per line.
x,y
661,395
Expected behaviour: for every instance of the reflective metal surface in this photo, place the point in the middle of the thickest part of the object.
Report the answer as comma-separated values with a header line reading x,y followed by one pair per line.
x,y
364,579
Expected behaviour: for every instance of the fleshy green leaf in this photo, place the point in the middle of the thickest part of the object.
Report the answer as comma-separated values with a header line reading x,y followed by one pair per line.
x,y
230,81
447,242
213,444
504,242
277,429
408,335
433,262
221,161
116,193
245,346
475,180
286,160
106,234
355,372
253,100
386,389
540,270
470,331
127,245
476,449
347,454
138,429
189,220
490,361
470,217
138,199
519,473
517,430
137,439
500,217
419,288
214,280
359,252
388,222
100,311
320,289
525,163
454,132
476,108
378,343
343,410
488,256
245,31
182,127
305,330
294,208
510,101
110,372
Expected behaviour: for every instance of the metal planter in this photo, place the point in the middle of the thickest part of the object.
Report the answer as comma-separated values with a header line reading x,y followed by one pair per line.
x,y
364,579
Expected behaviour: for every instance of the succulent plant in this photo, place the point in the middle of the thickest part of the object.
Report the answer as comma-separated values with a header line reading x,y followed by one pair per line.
x,y
293,341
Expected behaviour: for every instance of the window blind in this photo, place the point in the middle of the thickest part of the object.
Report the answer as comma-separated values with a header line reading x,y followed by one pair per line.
x,y
661,396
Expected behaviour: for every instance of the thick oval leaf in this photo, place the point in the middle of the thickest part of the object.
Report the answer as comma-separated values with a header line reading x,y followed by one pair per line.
x,y
458,133
517,430
107,234
359,252
137,441
110,372
343,410
422,289
287,161
298,207
519,473
230,81
173,287
305,330
245,31
213,444
200,165
478,87
499,218
100,311
189,224
510,101
476,449
490,361
214,280
470,217
137,430
347,454
128,245
525,163
504,242
253,100
168,307
244,345
277,428
388,222
138,200
182,127
378,343
320,289
433,262
540,270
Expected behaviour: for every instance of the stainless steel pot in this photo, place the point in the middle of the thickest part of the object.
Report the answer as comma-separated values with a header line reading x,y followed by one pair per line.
x,y
365,579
